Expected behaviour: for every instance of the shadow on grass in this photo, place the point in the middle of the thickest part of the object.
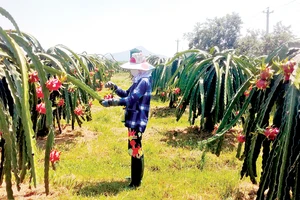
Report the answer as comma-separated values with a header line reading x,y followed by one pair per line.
x,y
191,136
155,97
162,111
188,137
88,189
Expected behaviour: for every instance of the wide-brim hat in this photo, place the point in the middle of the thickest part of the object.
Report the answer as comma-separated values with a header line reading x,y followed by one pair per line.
x,y
138,62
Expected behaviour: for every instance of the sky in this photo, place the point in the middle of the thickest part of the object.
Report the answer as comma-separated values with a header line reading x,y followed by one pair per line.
x,y
111,26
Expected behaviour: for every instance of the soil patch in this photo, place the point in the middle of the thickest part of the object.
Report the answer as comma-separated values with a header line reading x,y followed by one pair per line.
x,y
68,135
27,193
246,191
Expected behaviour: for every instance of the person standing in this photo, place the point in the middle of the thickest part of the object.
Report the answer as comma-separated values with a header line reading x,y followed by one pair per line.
x,y
136,100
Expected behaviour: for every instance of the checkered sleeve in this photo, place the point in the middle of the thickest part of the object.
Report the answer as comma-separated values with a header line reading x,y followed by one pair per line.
x,y
137,93
122,93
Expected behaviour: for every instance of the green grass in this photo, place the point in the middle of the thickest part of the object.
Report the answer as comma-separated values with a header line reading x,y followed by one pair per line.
x,y
96,168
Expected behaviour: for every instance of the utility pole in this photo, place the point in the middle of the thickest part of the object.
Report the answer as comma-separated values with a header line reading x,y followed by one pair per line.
x,y
177,45
268,12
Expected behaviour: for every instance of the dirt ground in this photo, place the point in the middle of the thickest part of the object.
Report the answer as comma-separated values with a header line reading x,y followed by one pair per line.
x,y
67,136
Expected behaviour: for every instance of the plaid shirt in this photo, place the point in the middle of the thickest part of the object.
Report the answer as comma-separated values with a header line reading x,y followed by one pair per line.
x,y
137,101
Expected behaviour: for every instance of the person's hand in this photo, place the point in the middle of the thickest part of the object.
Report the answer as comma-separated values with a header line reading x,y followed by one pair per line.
x,y
110,84
110,102
104,103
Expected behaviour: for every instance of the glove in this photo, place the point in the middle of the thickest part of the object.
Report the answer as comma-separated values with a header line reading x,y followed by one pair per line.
x,y
110,84
104,103
110,102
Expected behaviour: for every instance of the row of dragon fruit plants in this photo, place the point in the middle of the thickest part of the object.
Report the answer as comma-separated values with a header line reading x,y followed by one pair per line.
x,y
256,99
38,89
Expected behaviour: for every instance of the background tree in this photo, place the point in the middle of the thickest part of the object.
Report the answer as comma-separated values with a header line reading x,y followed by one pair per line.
x,y
256,42
222,32
251,44
280,35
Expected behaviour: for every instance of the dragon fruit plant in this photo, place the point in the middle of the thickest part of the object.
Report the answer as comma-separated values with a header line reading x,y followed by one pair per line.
x,y
33,83
272,124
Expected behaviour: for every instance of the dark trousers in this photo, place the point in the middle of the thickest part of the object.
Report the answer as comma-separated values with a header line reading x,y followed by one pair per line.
x,y
137,156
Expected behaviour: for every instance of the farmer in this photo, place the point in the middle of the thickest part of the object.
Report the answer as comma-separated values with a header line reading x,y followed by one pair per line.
x,y
137,104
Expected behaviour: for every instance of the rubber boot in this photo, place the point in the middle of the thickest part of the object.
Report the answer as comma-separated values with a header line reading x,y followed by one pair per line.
x,y
137,171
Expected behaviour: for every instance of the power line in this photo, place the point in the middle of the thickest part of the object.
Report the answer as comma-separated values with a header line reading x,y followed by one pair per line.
x,y
275,7
268,12
286,4
278,9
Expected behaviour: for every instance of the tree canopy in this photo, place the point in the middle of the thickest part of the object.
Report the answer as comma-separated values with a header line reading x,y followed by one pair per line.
x,y
222,32
257,42
225,33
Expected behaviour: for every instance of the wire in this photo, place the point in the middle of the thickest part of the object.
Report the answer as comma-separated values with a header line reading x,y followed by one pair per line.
x,y
275,7
283,5
287,3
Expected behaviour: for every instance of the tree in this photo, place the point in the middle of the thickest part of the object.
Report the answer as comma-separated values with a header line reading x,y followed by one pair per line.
x,y
277,38
256,42
222,32
250,44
